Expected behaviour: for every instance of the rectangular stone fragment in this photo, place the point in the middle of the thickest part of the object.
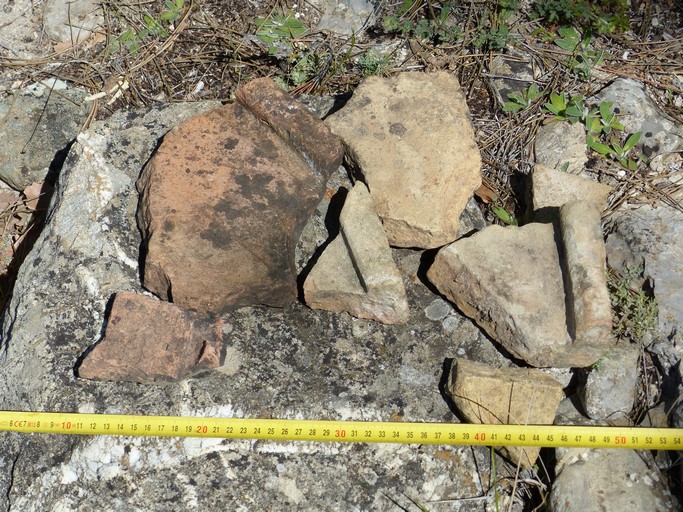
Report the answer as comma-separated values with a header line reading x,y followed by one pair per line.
x,y
586,274
551,188
294,123
508,396
356,272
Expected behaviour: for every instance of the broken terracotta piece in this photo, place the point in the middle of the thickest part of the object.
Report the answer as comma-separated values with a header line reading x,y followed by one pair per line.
x,y
148,340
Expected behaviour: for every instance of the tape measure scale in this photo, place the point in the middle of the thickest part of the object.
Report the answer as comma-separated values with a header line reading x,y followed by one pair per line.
x,y
343,431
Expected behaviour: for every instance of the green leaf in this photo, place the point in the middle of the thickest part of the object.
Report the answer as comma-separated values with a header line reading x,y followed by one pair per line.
x,y
574,111
168,15
534,92
127,36
516,98
606,109
504,216
511,106
594,125
570,38
558,100
631,141
597,146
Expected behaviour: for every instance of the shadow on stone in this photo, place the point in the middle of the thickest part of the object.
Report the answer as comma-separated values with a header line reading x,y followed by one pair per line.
x,y
35,228
332,225
100,336
443,383
426,261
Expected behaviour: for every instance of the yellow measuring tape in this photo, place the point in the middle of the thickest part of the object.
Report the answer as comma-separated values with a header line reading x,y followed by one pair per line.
x,y
343,431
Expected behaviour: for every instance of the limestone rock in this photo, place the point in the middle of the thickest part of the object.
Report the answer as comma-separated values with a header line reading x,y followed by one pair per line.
x,y
412,143
347,17
283,363
638,113
356,272
609,391
551,188
512,73
586,274
147,341
651,239
590,480
562,143
510,281
71,22
36,129
224,200
510,396
20,36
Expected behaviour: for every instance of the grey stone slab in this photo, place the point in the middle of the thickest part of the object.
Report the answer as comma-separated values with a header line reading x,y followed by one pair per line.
x,y
288,363
36,132
652,239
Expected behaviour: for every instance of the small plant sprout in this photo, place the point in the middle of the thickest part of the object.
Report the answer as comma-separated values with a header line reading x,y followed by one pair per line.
x,y
133,40
436,27
504,216
615,149
566,108
517,102
583,58
279,31
373,63
635,312
606,121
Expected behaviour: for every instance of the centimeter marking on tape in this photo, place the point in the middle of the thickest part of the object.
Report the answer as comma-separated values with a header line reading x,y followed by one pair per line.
x,y
343,431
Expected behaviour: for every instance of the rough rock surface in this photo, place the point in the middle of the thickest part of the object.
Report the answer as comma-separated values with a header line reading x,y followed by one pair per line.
x,y
512,73
411,140
289,363
652,239
356,272
36,129
638,113
20,35
593,480
551,188
345,17
71,22
519,301
226,196
586,274
511,396
559,144
596,479
609,391
148,340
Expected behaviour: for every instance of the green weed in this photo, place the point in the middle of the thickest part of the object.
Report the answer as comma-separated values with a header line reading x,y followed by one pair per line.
x,y
634,310
435,28
599,16
279,31
132,40
583,57
615,150
604,132
517,102
373,63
